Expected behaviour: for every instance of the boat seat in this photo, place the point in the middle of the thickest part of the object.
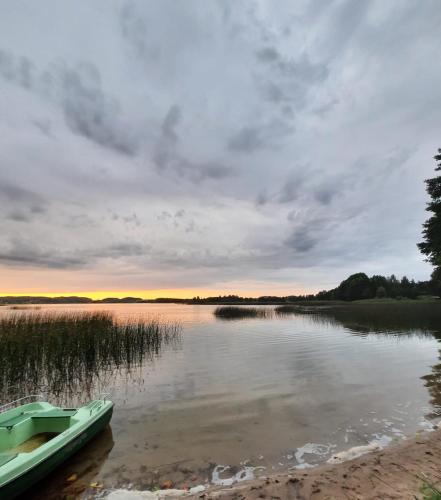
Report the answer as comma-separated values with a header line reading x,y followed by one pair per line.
x,y
54,413
6,457
14,420
9,424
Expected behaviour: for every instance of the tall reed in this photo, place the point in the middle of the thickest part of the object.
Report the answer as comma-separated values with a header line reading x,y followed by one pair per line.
x,y
66,352
232,312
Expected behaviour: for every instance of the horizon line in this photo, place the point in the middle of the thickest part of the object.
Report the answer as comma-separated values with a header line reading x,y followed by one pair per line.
x,y
182,294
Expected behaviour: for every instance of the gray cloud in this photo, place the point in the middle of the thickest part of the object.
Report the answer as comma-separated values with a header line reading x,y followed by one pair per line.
x,y
21,252
134,29
301,240
252,138
325,195
301,69
168,140
92,114
239,139
166,154
267,55
18,216
24,202
247,139
44,126
284,82
201,171
88,110
123,250
171,121
291,79
16,70
261,199
292,189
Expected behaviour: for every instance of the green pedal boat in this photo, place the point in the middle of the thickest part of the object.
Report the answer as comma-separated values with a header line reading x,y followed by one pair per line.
x,y
36,437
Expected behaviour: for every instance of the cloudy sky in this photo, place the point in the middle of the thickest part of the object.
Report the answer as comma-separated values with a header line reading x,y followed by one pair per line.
x,y
182,147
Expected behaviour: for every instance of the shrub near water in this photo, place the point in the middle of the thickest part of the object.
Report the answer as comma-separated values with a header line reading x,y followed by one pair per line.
x,y
66,351
231,312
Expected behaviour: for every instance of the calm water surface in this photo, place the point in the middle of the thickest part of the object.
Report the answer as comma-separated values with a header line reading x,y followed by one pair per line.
x,y
257,395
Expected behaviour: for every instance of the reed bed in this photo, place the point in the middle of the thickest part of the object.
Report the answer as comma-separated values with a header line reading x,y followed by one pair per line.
x,y
232,312
282,310
68,351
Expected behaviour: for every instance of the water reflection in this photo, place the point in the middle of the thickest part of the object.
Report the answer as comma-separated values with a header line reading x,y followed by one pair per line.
x,y
75,477
418,320
424,318
267,391
433,384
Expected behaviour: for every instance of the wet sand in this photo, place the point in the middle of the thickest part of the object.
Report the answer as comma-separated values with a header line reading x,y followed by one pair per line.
x,y
397,472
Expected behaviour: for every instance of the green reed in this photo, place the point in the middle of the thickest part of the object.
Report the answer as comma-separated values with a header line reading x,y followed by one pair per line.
x,y
430,492
68,351
232,312
287,309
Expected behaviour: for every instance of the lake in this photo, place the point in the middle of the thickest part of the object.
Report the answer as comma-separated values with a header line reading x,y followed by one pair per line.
x,y
257,395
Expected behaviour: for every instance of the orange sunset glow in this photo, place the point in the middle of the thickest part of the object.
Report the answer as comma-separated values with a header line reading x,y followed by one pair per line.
x,y
181,293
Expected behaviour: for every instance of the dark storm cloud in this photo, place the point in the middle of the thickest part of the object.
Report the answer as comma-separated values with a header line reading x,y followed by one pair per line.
x,y
301,240
134,29
16,70
18,216
171,121
91,113
325,195
26,253
247,139
201,171
293,187
168,140
23,201
261,199
291,79
88,110
301,69
44,126
166,155
123,250
267,55
252,138
274,93
285,82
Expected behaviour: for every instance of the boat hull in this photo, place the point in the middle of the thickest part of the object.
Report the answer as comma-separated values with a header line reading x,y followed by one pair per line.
x,y
23,482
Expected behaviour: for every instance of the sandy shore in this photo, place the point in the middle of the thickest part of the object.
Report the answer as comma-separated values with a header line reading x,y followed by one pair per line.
x,y
399,472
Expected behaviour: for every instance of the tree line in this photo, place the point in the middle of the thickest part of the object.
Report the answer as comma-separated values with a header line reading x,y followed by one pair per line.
x,y
359,286
431,244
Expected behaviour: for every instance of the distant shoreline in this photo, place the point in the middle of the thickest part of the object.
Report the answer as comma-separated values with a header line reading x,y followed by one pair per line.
x,y
356,288
268,301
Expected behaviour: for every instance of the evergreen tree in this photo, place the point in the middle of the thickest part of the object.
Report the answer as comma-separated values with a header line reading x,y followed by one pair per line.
x,y
431,246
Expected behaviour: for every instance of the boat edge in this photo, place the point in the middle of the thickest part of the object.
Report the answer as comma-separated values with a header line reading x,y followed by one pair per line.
x,y
24,481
